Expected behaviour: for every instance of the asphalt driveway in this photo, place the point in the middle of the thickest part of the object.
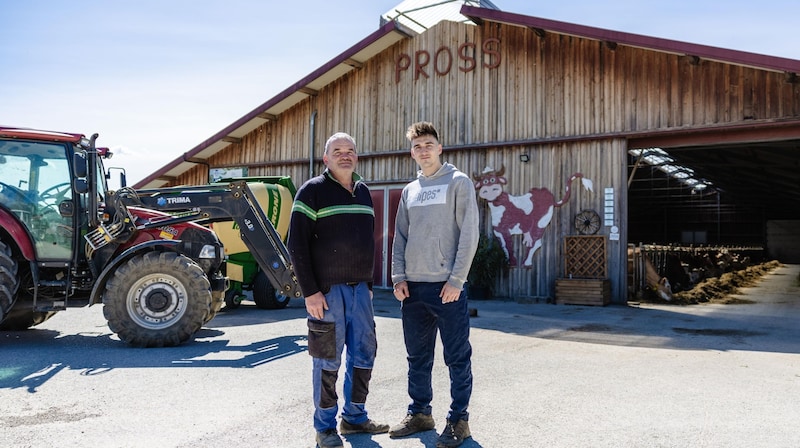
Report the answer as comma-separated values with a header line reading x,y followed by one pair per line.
x,y
545,375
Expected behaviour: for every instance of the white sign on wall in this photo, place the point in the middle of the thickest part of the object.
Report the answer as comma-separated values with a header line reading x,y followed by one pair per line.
x,y
215,174
608,209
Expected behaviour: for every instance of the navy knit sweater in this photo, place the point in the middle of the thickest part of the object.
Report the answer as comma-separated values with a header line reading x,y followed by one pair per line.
x,y
331,234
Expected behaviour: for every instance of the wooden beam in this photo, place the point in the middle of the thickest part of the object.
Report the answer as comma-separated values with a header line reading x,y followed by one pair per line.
x,y
693,59
308,91
267,116
721,135
353,63
539,32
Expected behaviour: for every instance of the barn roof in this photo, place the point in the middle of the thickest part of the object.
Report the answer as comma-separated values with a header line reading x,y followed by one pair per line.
x,y
756,60
393,31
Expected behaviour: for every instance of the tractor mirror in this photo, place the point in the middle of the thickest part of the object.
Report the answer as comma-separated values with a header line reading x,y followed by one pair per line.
x,y
79,165
81,186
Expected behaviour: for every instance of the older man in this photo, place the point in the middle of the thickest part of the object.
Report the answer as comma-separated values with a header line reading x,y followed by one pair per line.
x,y
332,249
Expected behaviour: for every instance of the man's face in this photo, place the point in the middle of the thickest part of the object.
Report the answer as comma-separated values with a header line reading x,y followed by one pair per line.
x,y
425,150
341,157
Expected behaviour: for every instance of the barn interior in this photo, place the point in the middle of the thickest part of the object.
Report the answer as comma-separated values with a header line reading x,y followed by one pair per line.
x,y
714,194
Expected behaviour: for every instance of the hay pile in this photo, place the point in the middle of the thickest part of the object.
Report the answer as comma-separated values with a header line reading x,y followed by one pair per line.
x,y
720,289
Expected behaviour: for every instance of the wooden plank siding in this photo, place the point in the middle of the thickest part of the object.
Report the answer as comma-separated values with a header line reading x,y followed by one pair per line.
x,y
580,91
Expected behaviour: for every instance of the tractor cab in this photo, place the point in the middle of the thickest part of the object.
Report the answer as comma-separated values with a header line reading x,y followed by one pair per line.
x,y
36,186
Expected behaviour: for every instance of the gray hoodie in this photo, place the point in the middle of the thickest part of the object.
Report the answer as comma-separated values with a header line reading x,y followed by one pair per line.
x,y
436,230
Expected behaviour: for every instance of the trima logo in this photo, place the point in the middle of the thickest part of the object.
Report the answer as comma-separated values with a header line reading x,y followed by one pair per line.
x,y
179,200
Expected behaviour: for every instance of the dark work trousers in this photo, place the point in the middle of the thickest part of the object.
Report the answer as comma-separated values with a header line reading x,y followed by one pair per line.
x,y
350,308
423,315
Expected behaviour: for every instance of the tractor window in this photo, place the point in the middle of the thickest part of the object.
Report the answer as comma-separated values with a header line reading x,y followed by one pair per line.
x,y
34,180
101,181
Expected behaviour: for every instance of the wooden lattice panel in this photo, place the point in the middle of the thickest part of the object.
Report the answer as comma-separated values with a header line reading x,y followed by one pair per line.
x,y
585,256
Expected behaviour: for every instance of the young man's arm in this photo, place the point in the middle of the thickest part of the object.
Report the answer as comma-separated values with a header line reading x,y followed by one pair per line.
x,y
466,212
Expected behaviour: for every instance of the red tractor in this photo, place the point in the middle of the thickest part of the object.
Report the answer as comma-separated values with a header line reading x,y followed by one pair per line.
x,y
67,241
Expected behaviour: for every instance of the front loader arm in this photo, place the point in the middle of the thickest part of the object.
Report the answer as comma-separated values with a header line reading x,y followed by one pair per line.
x,y
207,204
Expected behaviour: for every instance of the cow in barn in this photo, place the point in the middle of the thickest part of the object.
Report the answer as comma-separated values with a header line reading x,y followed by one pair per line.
x,y
653,281
527,215
658,284
676,272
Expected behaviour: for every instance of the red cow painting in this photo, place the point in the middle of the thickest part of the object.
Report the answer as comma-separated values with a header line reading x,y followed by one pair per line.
x,y
527,215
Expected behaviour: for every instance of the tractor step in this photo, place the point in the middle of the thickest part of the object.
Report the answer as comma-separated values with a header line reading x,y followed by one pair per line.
x,y
54,284
58,295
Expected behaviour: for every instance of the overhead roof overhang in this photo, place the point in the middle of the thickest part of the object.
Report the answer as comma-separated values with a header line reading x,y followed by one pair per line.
x,y
351,59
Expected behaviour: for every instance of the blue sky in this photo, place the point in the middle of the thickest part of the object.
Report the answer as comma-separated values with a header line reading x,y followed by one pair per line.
x,y
157,77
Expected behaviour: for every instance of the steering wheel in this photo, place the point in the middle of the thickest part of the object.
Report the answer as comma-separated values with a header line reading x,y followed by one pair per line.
x,y
55,194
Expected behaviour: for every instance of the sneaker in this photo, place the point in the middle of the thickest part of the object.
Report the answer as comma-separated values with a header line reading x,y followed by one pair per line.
x,y
411,424
368,426
453,434
328,438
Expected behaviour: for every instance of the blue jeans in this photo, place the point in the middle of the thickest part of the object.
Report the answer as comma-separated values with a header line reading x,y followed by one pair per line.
x,y
423,315
350,308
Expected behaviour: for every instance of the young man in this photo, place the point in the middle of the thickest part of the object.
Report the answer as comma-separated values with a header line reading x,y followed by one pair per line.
x,y
332,249
436,235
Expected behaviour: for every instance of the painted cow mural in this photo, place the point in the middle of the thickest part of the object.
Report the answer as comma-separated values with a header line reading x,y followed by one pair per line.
x,y
527,215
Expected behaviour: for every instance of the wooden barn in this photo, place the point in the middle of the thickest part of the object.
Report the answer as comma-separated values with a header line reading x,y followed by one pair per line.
x,y
631,141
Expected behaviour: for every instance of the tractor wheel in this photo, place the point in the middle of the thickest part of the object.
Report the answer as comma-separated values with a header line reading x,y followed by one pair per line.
x,y
158,299
265,296
9,281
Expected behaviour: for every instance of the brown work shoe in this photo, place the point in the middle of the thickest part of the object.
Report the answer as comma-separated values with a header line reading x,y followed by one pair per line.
x,y
328,439
368,426
412,423
453,434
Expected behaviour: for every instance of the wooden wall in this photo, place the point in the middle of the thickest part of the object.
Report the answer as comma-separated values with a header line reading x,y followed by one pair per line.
x,y
563,100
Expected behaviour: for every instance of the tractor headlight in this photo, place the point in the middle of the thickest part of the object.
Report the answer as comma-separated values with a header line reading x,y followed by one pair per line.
x,y
208,251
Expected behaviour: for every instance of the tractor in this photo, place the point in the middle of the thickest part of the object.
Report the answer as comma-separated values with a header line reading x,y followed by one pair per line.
x,y
148,256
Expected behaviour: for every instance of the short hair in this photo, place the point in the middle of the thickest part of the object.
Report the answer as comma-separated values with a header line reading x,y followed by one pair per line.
x,y
421,128
339,136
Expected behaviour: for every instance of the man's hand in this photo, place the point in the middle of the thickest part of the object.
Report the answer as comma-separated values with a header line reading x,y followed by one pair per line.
x,y
449,293
401,291
316,305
